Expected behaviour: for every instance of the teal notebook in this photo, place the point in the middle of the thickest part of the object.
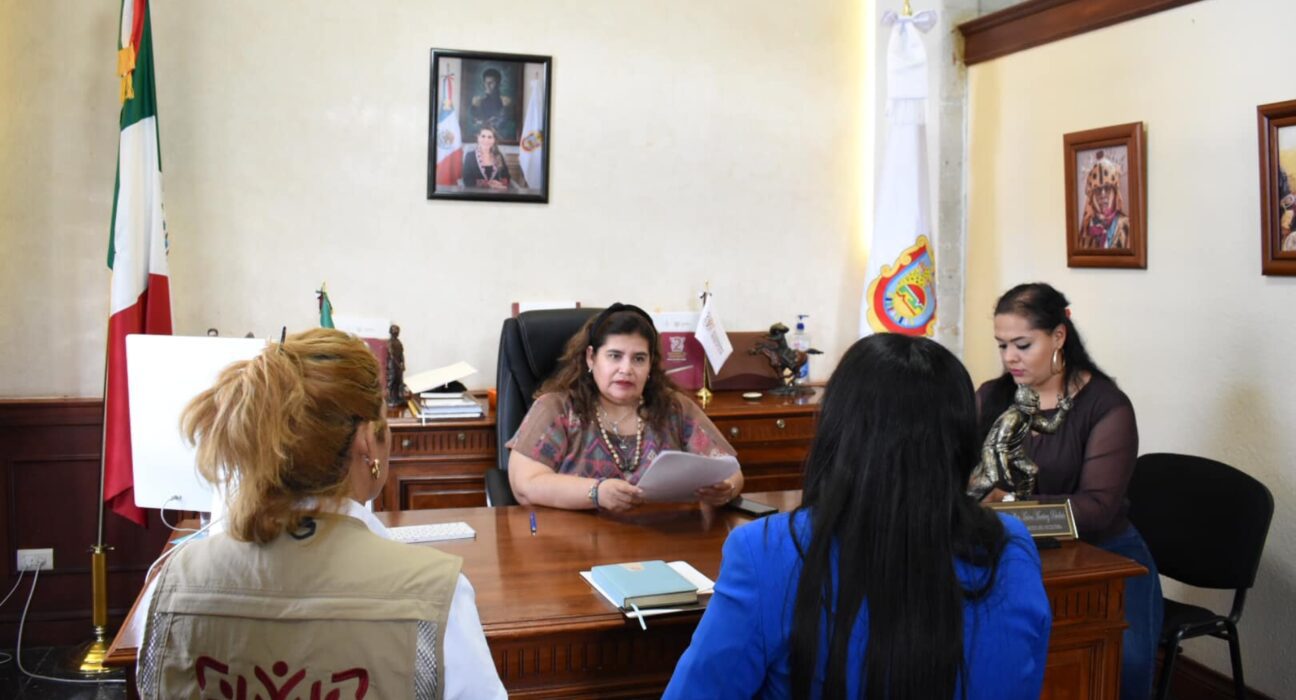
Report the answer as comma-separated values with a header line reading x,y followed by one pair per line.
x,y
644,584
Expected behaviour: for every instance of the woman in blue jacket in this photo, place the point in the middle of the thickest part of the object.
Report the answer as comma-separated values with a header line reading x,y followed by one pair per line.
x,y
888,581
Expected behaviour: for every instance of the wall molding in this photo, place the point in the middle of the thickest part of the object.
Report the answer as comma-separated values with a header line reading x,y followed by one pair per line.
x,y
1036,22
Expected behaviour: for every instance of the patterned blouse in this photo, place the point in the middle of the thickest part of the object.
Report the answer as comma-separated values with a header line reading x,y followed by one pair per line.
x,y
553,435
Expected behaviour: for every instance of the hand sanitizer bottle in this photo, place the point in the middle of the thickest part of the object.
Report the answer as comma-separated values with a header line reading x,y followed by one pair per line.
x,y
801,341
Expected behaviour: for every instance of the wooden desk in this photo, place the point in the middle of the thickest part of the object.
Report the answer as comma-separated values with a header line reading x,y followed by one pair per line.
x,y
554,637
441,464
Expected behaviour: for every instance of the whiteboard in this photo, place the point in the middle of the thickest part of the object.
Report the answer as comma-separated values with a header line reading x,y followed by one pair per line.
x,y
164,372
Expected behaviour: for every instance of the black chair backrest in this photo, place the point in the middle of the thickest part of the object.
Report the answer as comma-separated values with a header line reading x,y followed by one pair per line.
x,y
530,346
1205,522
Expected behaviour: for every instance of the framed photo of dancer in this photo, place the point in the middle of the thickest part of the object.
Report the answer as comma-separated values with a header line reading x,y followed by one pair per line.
x,y
488,126
1277,126
1106,197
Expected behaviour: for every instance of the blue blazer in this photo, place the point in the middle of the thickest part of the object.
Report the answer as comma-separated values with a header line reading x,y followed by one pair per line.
x,y
741,646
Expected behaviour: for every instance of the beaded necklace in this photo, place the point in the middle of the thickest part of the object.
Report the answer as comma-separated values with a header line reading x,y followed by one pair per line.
x,y
494,167
616,453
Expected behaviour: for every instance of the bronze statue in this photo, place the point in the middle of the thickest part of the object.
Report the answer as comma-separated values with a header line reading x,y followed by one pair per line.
x,y
1004,462
395,368
785,359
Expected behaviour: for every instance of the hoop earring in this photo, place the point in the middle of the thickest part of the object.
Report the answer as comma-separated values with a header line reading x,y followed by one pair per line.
x,y
375,468
1058,363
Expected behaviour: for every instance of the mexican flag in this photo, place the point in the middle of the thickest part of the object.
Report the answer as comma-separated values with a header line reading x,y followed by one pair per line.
x,y
137,248
449,144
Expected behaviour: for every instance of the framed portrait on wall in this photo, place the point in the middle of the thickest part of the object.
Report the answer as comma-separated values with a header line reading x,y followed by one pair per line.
x,y
1106,197
1277,126
488,126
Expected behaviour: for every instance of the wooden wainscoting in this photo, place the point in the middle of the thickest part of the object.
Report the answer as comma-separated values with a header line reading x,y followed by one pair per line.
x,y
1194,681
49,490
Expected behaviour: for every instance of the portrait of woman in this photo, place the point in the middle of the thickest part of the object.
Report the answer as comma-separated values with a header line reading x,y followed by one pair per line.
x,y
484,166
606,412
1104,223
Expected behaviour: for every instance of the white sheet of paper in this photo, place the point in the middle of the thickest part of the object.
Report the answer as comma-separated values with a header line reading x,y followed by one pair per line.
x,y
676,476
425,381
704,585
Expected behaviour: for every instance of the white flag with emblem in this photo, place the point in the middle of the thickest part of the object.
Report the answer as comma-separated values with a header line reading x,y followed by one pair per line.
x,y
532,145
900,280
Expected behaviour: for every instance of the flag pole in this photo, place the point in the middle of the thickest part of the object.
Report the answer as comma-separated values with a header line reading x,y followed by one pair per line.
x,y
88,658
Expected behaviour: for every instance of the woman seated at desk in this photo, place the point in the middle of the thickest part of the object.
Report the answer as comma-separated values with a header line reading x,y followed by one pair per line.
x,y
485,166
303,590
604,415
888,581
1090,457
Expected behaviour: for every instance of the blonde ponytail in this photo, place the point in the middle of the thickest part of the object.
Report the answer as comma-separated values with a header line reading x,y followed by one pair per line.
x,y
280,427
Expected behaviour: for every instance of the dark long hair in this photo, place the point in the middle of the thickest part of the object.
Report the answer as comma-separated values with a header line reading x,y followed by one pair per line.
x,y
1044,308
884,487
573,377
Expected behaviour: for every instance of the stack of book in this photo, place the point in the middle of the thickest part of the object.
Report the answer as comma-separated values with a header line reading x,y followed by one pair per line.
x,y
439,405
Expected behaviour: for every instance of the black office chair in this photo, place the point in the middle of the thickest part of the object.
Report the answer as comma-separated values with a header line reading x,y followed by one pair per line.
x,y
1205,524
528,352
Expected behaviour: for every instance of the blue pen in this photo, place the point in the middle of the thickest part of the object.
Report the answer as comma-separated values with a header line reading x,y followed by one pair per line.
x,y
533,523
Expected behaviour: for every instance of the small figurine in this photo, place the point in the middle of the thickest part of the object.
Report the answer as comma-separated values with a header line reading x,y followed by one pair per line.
x,y
395,368
1004,462
785,359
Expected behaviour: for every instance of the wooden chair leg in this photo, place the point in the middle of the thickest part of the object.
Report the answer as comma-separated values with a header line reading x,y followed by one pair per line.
x,y
1235,655
1170,651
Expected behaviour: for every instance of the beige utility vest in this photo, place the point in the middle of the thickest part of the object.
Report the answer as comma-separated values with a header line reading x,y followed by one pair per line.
x,y
332,607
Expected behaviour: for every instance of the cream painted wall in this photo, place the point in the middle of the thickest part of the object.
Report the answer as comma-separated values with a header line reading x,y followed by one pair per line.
x,y
691,142
1200,341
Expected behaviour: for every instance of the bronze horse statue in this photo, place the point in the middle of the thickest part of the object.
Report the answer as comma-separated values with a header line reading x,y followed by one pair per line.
x,y
786,360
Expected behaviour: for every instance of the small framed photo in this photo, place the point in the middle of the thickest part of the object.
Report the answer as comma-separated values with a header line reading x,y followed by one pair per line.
x,y
1277,126
1106,197
488,126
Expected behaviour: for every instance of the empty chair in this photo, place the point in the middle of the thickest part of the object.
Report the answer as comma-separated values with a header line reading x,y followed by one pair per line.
x,y
1205,524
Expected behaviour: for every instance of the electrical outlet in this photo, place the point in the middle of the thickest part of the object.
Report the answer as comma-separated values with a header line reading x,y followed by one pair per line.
x,y
33,559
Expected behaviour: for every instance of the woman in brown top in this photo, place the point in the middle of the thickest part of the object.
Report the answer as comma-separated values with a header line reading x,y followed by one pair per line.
x,y
1091,456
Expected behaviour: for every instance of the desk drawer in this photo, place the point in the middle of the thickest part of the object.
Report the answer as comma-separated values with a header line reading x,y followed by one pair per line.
x,y
444,442
750,431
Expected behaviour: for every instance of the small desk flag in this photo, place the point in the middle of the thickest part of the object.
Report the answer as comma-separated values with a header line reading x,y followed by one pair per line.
x,y
137,248
325,307
712,336
900,280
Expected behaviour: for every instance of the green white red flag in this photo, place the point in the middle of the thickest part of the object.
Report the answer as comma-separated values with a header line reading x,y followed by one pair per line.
x,y
137,248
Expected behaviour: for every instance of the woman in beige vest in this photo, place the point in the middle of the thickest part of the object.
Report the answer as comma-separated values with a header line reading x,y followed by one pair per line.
x,y
302,595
